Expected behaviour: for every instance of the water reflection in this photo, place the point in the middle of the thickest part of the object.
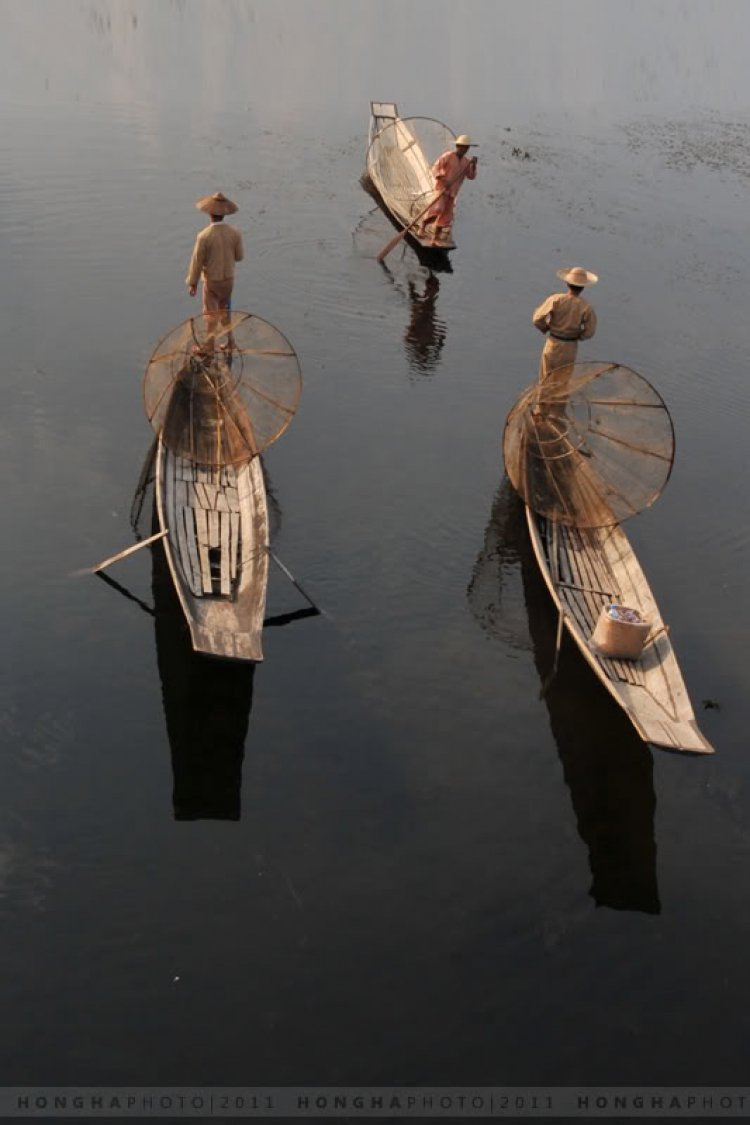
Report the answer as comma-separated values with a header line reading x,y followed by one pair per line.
x,y
607,768
207,702
207,706
425,333
289,54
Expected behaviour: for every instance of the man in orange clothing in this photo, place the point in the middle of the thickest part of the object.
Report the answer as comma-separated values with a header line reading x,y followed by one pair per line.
x,y
217,248
452,168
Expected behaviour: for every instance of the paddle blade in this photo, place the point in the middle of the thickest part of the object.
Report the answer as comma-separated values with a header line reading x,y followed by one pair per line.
x,y
120,555
390,245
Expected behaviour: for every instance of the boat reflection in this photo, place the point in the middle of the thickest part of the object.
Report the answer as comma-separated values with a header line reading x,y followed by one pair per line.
x,y
207,704
606,766
207,701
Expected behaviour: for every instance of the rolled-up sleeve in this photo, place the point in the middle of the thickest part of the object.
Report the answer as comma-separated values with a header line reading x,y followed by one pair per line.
x,y
539,319
589,324
196,263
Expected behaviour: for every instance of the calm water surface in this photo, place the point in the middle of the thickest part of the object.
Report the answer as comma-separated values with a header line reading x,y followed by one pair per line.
x,y
436,876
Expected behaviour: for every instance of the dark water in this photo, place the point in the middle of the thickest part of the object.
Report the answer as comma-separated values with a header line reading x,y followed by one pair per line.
x,y
435,876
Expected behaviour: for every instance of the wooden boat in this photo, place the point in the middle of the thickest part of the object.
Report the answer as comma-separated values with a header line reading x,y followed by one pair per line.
x,y
207,707
585,569
216,550
404,157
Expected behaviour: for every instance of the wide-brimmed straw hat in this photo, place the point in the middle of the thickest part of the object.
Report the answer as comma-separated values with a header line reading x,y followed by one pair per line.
x,y
578,276
216,204
465,139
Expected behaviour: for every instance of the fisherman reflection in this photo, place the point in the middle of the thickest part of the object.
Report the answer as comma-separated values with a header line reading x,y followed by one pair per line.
x,y
425,333
607,768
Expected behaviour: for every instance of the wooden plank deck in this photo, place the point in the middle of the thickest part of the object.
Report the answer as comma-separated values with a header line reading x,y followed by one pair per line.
x,y
234,539
201,526
192,543
594,567
225,577
219,524
208,525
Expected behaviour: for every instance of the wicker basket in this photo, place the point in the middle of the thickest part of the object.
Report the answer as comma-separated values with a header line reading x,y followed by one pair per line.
x,y
618,639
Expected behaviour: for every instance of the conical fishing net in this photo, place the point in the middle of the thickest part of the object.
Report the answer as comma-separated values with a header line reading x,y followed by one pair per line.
x,y
400,159
220,388
590,446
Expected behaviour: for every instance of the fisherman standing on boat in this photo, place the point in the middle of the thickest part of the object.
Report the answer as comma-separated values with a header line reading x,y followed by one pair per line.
x,y
217,248
566,318
450,170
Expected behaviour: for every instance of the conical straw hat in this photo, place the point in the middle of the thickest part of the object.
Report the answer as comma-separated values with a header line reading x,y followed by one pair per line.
x,y
465,139
216,204
578,276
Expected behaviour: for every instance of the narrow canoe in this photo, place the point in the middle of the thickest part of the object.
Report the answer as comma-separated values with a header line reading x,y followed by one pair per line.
x,y
585,569
216,550
207,708
402,160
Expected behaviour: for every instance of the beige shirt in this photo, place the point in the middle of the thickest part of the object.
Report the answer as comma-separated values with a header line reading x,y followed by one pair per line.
x,y
216,249
564,315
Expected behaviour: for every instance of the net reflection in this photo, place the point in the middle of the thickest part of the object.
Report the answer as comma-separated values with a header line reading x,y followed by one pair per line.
x,y
607,768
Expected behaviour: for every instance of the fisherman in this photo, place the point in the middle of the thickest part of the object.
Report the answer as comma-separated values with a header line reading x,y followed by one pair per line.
x,y
450,170
217,247
566,318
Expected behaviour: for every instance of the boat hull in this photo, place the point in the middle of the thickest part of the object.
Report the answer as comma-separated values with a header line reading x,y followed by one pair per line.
x,y
216,550
403,211
585,569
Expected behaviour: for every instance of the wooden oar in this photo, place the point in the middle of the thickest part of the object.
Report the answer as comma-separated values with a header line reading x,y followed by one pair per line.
x,y
402,234
558,641
555,574
293,580
123,554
